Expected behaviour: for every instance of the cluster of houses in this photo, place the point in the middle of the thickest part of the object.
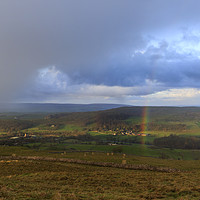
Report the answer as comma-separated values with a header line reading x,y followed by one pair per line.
x,y
26,135
131,133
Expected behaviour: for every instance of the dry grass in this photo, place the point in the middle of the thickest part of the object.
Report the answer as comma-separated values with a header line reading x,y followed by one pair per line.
x,y
40,179
58,180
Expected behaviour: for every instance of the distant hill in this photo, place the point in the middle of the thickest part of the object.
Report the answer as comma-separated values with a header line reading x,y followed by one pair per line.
x,y
54,108
98,117
158,118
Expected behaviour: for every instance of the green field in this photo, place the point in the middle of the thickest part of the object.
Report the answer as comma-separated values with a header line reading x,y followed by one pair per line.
x,y
135,149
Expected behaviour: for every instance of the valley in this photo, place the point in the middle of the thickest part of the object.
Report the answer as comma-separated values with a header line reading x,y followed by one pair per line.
x,y
117,153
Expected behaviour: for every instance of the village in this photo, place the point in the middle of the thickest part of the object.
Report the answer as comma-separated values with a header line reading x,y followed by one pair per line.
x,y
130,133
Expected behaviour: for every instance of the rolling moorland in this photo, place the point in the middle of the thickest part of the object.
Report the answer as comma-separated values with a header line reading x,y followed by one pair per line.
x,y
121,153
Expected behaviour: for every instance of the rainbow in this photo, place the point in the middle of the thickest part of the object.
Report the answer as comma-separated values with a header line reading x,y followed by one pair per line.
x,y
144,124
145,119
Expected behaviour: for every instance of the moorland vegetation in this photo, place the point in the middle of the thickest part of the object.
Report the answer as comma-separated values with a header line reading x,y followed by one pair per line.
x,y
110,154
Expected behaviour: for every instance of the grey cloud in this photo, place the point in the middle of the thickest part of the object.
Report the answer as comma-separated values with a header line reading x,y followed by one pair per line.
x,y
91,41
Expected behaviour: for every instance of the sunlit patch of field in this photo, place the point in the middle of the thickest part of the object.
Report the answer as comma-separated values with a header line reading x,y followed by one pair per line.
x,y
3,133
192,132
70,127
188,132
8,161
159,133
95,133
54,130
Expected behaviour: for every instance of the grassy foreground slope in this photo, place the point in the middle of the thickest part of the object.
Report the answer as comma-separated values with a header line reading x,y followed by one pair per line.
x,y
40,179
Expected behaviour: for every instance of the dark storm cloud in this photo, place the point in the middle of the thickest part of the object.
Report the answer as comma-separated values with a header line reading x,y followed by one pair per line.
x,y
93,41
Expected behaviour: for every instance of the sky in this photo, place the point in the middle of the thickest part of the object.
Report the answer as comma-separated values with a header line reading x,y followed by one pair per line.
x,y
136,52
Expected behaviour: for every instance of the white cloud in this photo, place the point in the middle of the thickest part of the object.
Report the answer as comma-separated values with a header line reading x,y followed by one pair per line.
x,y
52,79
175,94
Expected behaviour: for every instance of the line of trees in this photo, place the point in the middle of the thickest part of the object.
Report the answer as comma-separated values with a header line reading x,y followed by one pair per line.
x,y
178,142
15,125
